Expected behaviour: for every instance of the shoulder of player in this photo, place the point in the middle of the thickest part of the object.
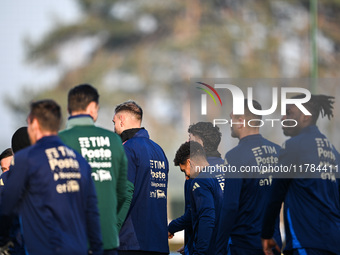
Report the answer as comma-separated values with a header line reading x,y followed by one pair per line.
x,y
24,154
201,183
141,142
89,131
270,143
296,142
237,153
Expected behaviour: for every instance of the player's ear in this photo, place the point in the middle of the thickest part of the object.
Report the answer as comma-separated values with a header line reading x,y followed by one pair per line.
x,y
307,118
92,108
122,119
188,162
240,121
35,124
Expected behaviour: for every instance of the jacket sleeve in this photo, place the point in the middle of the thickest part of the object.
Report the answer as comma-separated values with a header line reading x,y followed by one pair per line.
x,y
122,194
183,222
278,193
130,185
180,223
15,184
204,203
11,194
229,210
92,217
277,196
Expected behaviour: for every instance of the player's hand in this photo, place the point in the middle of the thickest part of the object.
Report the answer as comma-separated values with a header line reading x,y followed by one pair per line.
x,y
170,236
268,245
181,250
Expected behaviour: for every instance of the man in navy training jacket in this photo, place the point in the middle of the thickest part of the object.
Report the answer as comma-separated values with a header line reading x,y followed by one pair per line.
x,y
206,196
145,228
245,196
20,140
209,137
311,205
51,186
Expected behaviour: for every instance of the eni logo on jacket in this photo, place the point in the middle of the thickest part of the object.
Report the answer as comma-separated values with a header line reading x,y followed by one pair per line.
x,y
101,175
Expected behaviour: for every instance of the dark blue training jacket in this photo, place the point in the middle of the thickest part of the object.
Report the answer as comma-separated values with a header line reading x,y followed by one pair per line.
x,y
206,201
146,224
51,186
312,207
184,222
245,198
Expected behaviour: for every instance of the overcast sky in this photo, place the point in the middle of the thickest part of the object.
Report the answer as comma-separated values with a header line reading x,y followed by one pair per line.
x,y
19,20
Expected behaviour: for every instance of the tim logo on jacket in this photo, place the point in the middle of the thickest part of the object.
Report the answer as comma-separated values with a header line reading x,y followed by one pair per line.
x,y
158,179
96,150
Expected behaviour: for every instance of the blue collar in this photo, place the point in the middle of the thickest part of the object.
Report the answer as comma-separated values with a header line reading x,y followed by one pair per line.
x,y
309,129
49,138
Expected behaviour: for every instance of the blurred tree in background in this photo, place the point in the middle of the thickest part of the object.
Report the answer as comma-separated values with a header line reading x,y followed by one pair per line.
x,y
147,50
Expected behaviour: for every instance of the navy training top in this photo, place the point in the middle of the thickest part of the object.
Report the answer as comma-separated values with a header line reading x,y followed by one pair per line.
x,y
246,198
51,188
185,221
312,206
206,201
146,224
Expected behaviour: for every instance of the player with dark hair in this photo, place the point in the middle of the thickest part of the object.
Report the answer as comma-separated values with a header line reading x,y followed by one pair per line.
x,y
145,228
246,195
51,187
209,137
19,141
311,205
5,159
80,97
205,196
104,152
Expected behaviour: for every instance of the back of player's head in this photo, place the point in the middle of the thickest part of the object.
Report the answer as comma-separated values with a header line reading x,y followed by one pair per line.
x,y
131,107
48,114
20,139
6,153
80,97
247,113
318,104
210,135
188,150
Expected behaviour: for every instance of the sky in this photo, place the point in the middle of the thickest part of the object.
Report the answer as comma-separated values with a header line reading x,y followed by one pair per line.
x,y
20,20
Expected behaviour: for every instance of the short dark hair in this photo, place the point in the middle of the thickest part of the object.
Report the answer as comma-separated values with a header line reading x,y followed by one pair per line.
x,y
20,139
248,113
131,107
48,114
187,150
6,153
318,104
210,135
80,97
